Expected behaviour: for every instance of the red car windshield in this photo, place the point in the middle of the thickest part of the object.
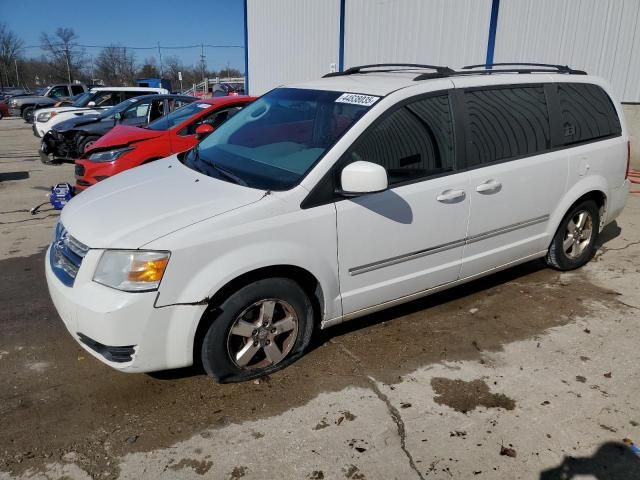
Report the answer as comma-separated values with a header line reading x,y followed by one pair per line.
x,y
178,116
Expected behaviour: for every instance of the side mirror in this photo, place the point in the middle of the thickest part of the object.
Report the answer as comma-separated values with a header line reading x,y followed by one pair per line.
x,y
91,104
363,177
203,130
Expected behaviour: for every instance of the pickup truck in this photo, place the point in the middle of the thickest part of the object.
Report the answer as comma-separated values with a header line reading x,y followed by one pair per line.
x,y
25,106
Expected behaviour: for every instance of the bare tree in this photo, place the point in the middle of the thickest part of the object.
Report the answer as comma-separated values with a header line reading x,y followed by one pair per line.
x,y
149,69
64,54
115,66
10,47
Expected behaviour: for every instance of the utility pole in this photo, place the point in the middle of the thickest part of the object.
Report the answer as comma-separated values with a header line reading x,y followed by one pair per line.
x,y
17,78
203,62
160,56
66,57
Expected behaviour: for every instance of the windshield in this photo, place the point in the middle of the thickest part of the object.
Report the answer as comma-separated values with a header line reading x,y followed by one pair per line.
x,y
275,141
82,100
119,108
178,116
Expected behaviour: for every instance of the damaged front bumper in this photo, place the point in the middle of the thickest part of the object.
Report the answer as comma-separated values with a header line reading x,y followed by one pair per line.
x,y
58,146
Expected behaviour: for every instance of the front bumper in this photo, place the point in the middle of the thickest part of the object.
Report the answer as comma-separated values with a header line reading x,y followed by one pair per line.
x,y
35,130
57,146
15,112
124,330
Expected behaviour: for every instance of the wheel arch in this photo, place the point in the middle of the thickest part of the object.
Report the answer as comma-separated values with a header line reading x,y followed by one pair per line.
x,y
593,189
309,283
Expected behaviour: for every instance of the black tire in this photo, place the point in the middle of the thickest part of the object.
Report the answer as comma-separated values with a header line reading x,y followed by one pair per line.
x,y
27,114
216,358
86,142
582,245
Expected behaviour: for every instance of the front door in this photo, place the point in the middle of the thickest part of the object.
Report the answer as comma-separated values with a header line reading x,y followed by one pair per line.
x,y
411,237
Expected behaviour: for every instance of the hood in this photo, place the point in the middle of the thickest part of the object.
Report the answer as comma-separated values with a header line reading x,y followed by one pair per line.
x,y
122,135
75,122
140,205
34,98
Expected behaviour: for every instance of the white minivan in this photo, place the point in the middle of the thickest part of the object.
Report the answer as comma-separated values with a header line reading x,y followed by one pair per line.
x,y
324,201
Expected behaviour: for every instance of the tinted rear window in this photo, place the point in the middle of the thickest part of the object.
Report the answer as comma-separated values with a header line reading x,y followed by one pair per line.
x,y
506,123
586,113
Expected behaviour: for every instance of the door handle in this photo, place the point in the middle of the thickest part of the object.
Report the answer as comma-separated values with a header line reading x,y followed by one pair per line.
x,y
451,196
490,186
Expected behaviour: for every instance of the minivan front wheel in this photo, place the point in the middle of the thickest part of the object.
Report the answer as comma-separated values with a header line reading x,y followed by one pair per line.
x,y
575,241
261,328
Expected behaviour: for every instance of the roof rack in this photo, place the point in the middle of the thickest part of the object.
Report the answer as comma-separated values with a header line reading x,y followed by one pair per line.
x,y
488,70
559,68
384,67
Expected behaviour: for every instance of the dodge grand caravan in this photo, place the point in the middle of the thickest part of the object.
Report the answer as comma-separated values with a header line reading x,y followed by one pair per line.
x,y
325,201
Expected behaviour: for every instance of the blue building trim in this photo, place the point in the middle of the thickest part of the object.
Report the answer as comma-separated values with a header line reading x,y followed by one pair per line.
x,y
246,51
493,27
341,45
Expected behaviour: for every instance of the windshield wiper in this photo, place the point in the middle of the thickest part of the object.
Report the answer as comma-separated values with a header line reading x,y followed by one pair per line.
x,y
224,173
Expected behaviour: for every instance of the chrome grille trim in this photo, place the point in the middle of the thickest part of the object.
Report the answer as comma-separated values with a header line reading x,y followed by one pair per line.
x,y
66,255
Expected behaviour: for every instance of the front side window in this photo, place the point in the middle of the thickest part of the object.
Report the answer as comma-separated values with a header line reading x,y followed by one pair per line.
x,y
415,141
272,143
141,110
59,91
106,99
215,119
586,112
506,123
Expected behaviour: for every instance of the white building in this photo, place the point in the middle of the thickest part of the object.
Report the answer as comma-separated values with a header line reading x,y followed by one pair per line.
x,y
295,40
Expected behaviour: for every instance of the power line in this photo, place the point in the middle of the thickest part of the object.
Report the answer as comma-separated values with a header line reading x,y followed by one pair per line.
x,y
178,47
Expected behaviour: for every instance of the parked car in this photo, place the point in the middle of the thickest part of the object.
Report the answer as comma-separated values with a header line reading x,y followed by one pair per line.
x,y
92,102
26,105
326,201
125,147
4,110
68,140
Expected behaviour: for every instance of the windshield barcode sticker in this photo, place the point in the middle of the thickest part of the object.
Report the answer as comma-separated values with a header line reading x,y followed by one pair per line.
x,y
357,99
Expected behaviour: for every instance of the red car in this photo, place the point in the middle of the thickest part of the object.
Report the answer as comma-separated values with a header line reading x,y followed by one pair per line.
x,y
125,147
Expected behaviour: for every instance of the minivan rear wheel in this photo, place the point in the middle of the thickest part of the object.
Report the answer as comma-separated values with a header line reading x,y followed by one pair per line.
x,y
575,241
261,328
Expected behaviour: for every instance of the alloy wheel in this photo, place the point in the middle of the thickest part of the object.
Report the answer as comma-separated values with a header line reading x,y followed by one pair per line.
x,y
263,334
578,234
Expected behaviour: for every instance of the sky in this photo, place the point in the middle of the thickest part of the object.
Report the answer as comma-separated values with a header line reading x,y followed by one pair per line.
x,y
135,23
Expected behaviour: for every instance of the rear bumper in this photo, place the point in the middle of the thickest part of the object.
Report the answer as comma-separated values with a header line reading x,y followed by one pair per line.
x,y
616,201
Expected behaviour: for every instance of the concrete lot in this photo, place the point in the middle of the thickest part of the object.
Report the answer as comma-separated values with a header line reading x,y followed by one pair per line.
x,y
540,366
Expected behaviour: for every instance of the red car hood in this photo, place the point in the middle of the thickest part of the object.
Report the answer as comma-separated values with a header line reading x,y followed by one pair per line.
x,y
124,135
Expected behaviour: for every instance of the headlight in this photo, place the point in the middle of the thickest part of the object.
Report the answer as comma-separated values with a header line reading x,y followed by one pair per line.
x,y
109,155
13,103
45,116
131,270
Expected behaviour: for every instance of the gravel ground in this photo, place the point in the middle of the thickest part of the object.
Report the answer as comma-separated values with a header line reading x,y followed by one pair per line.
x,y
527,374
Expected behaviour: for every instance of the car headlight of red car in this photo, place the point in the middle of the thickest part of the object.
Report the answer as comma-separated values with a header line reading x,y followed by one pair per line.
x,y
108,155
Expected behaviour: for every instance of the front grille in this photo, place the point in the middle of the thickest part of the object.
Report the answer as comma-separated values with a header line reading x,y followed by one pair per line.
x,y
79,170
120,354
66,255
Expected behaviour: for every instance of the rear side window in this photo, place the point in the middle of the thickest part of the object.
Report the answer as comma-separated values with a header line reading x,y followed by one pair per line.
x,y
586,113
506,123
415,141
76,89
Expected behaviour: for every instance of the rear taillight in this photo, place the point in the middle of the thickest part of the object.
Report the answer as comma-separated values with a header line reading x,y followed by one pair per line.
x,y
627,171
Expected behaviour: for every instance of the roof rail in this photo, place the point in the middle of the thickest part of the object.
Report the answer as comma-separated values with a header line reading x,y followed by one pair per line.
x,y
474,70
559,68
384,67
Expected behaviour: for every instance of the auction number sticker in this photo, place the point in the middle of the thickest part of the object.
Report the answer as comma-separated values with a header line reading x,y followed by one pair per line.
x,y
357,99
